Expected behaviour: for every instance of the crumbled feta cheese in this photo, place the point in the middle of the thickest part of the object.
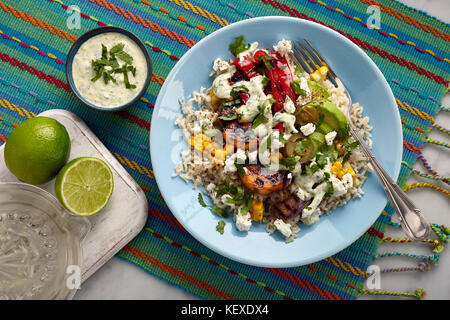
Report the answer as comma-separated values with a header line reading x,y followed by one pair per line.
x,y
302,100
289,105
210,187
329,137
220,66
243,222
338,187
283,47
252,156
283,227
308,128
229,164
241,156
276,143
347,180
262,130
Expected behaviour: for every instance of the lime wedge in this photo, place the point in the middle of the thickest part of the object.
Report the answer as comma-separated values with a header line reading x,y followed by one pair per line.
x,y
84,186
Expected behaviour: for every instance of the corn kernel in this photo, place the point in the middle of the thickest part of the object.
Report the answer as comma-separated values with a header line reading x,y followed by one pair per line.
x,y
315,76
215,101
323,71
351,171
257,210
199,141
339,147
320,74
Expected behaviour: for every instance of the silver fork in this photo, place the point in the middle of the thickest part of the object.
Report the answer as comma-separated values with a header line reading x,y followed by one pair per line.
x,y
412,220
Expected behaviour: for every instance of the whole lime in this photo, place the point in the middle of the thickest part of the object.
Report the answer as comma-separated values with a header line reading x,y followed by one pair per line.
x,y
37,149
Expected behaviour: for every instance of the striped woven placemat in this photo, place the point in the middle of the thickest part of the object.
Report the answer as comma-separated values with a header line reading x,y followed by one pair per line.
x,y
410,48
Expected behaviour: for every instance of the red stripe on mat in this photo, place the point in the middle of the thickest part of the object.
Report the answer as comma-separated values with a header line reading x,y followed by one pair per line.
x,y
32,70
177,273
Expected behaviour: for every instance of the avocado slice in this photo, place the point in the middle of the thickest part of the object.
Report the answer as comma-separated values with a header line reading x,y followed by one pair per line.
x,y
324,128
334,117
317,137
318,91
317,140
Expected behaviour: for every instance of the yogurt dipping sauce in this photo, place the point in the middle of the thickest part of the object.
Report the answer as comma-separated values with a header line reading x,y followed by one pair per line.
x,y
112,94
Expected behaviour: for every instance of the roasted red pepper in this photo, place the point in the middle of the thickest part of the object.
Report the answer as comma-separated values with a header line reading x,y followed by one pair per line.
x,y
280,127
247,67
244,96
280,77
259,53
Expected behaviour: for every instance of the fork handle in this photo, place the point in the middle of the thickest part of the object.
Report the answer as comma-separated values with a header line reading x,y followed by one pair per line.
x,y
411,218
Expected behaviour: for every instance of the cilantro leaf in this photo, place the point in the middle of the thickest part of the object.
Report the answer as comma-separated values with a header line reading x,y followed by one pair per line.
x,y
113,65
305,143
217,210
235,90
125,57
282,138
260,119
240,168
330,189
117,48
266,60
238,46
220,211
290,162
201,201
298,90
220,226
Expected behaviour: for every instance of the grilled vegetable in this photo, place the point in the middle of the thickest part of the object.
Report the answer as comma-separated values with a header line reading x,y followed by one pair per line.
x,y
241,134
257,210
306,114
228,113
263,180
290,208
246,66
298,145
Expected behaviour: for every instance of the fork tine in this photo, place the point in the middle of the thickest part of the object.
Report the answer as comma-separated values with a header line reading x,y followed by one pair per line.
x,y
297,63
308,55
304,61
319,58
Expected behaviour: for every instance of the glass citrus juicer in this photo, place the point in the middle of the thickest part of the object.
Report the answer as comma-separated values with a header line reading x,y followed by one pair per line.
x,y
40,245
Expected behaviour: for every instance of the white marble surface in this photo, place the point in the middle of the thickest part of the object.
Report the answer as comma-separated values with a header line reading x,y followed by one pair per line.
x,y
118,279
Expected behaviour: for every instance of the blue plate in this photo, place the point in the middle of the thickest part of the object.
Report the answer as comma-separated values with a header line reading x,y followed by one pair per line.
x,y
333,232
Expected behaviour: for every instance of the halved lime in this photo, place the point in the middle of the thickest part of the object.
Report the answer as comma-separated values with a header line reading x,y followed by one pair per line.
x,y
84,186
